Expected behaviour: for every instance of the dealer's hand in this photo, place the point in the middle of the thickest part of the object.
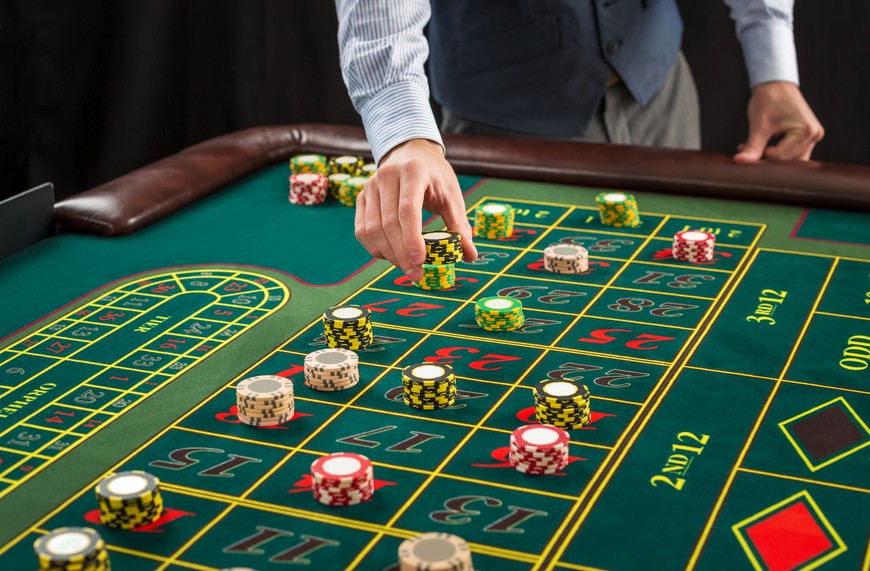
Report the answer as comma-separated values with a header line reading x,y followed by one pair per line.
x,y
412,176
779,108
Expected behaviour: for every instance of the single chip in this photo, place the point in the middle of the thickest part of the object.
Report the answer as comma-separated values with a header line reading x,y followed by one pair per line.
x,y
264,387
342,467
428,373
131,485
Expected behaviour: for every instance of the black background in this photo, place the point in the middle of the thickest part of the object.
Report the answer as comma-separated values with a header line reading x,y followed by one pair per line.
x,y
91,89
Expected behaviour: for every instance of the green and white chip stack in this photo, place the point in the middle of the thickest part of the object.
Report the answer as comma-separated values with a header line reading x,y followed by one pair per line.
x,y
369,169
498,313
309,163
72,549
428,386
443,252
494,220
618,209
565,404
347,191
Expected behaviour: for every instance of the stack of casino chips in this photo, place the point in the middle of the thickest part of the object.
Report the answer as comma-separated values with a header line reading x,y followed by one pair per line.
x,y
428,386
694,246
539,449
346,192
335,181
308,188
348,327
562,403
265,400
566,259
72,549
435,551
346,164
443,252
494,220
369,169
618,209
309,163
342,479
331,369
499,313
129,499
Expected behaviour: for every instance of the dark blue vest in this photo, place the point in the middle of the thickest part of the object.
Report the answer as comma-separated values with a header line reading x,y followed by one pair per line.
x,y
541,66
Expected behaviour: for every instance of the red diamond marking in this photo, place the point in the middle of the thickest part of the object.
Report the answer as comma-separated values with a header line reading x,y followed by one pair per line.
x,y
789,538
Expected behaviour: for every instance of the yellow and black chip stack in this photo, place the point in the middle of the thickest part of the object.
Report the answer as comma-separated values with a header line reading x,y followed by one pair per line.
x,y
562,403
72,549
494,220
369,169
428,386
335,182
443,252
618,209
309,163
346,164
129,499
348,327
499,313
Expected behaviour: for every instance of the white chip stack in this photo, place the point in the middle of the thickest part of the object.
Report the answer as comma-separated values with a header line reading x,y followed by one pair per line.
x,y
566,259
331,369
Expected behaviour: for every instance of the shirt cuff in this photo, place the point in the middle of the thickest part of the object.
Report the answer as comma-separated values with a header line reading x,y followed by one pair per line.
x,y
769,51
399,113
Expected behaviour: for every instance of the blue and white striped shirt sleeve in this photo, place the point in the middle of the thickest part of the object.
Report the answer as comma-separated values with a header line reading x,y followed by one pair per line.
x,y
383,55
766,32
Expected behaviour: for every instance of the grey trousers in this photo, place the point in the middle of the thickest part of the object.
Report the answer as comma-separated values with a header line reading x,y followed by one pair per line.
x,y
671,119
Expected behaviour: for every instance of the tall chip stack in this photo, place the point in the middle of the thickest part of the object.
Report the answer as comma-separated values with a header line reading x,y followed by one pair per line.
x,y
565,404
342,479
428,386
129,499
694,246
618,209
539,449
72,549
351,165
435,551
348,327
309,163
499,313
494,220
308,188
566,259
443,252
265,400
331,369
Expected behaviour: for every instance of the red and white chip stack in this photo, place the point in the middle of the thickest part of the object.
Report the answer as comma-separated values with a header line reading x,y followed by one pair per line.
x,y
539,449
342,479
694,246
308,188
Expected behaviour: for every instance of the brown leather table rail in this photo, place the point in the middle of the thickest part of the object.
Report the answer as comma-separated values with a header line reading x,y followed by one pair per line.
x,y
150,193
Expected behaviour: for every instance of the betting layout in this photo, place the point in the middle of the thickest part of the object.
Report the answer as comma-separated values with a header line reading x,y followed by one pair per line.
x,y
645,333
96,360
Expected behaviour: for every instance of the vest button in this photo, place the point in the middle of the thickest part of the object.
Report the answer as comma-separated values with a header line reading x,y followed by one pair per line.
x,y
613,46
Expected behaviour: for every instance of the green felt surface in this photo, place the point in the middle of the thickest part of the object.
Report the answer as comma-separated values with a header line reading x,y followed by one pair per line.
x,y
702,435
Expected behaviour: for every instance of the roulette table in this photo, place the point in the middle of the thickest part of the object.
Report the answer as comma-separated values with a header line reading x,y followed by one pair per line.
x,y
730,399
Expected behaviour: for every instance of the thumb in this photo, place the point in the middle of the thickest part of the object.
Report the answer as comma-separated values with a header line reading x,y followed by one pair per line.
x,y
753,149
